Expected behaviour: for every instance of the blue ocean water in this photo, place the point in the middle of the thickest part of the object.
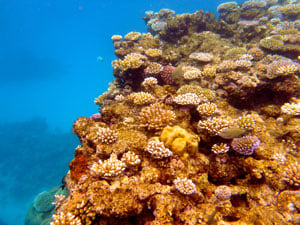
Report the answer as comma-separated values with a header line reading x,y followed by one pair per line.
x,y
55,58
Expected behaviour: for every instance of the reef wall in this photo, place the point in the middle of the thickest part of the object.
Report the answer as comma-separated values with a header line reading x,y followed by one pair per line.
x,y
199,126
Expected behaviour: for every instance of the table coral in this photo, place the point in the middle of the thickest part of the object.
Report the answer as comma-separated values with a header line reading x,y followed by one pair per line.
x,y
132,36
116,38
153,52
141,98
271,44
213,125
209,94
281,68
131,61
153,69
150,82
192,74
201,56
189,99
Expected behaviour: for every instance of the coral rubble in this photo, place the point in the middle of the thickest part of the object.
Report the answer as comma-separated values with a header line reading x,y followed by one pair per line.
x,y
200,125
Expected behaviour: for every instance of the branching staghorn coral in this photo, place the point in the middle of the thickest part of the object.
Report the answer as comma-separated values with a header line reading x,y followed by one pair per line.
x,y
109,168
207,109
245,122
220,149
158,150
156,117
106,135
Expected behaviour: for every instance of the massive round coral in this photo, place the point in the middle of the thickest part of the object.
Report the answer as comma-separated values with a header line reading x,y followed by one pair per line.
x,y
43,202
166,74
223,192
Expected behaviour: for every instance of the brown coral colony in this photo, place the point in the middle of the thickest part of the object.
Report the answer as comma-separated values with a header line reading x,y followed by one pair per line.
x,y
195,123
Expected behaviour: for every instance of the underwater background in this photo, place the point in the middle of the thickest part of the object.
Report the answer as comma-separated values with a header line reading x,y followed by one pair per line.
x,y
55,58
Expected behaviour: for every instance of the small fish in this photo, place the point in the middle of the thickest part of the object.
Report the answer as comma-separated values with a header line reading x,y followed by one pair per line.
x,y
232,132
99,59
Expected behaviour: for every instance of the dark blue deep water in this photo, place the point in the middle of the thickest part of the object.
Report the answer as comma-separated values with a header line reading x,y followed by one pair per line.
x,y
49,76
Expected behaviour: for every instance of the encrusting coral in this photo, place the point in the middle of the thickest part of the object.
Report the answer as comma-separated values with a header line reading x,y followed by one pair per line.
x,y
179,140
199,126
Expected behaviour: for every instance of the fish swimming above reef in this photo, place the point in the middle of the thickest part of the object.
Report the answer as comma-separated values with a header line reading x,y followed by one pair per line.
x,y
100,59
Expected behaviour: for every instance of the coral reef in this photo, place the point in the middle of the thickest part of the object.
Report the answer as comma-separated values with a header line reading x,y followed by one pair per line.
x,y
199,126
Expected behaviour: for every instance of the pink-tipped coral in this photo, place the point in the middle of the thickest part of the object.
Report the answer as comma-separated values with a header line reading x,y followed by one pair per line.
x,y
166,74
245,145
